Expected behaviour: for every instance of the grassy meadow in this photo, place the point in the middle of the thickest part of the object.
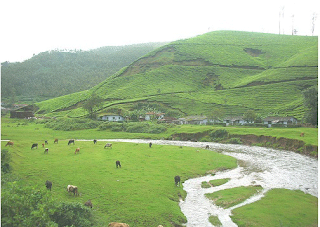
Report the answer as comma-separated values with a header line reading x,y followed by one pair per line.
x,y
141,193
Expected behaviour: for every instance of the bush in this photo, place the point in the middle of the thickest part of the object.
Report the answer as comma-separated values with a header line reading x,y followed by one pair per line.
x,y
70,124
234,141
219,134
72,214
144,127
5,159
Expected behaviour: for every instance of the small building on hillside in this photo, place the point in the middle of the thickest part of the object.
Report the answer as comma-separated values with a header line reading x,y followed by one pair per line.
x,y
195,120
284,121
23,111
168,120
112,117
234,121
153,115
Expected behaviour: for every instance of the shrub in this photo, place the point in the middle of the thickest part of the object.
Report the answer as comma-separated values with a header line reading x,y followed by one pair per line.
x,y
70,124
219,134
234,141
72,214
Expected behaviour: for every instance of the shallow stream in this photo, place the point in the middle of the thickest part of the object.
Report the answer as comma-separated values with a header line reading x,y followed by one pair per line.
x,y
257,166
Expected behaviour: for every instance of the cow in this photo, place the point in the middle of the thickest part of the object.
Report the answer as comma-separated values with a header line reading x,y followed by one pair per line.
x,y
150,144
43,145
48,185
177,180
88,203
46,142
108,145
72,188
55,141
34,145
46,150
71,141
77,150
10,143
207,147
94,141
118,164
302,134
117,224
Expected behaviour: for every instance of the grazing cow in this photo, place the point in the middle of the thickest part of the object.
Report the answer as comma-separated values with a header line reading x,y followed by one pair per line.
x,y
71,141
43,145
46,142
118,164
117,224
77,150
55,141
207,147
46,150
177,180
10,143
108,145
48,184
150,144
94,141
302,134
72,188
88,203
34,145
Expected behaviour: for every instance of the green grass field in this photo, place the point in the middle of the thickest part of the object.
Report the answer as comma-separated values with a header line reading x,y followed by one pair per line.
x,y
141,193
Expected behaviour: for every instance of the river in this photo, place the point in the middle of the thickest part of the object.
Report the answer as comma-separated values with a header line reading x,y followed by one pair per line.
x,y
267,167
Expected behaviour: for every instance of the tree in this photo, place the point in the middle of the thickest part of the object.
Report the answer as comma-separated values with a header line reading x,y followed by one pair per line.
x,y
92,103
311,103
249,116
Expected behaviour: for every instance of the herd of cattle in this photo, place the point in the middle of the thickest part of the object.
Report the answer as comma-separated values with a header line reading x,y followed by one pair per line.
x,y
74,189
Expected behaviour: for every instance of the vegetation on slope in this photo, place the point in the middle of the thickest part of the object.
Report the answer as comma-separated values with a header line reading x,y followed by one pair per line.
x,y
233,71
56,73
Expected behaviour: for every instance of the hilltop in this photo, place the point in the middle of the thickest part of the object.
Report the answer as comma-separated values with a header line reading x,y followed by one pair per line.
x,y
60,72
223,70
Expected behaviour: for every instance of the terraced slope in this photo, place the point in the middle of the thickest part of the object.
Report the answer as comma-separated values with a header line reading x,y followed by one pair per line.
x,y
229,70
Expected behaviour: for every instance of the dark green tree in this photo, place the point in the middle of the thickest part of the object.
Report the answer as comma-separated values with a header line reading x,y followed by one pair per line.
x,y
249,116
311,103
92,103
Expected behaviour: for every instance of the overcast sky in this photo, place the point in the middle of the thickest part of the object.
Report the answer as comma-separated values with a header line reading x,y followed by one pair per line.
x,y
32,26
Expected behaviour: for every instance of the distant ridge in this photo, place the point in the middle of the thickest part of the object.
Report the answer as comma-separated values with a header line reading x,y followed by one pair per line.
x,y
224,70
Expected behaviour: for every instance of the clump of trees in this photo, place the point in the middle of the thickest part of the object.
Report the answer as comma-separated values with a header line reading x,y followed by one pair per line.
x,y
311,103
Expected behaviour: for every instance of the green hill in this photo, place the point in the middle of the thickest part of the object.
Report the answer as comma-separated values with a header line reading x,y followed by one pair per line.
x,y
56,73
229,70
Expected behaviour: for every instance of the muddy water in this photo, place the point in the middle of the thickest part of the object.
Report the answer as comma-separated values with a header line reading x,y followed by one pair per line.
x,y
257,166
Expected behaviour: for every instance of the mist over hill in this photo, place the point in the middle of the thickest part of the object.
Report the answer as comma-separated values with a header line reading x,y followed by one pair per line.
x,y
60,72
222,71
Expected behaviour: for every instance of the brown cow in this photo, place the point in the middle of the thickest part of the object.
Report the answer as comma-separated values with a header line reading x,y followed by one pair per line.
x,y
88,203
77,150
108,145
302,134
55,141
72,188
117,224
10,143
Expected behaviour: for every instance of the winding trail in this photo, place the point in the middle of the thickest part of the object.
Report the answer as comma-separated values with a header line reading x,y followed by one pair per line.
x,y
257,166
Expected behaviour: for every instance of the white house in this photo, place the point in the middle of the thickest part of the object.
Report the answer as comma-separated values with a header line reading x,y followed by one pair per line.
x,y
234,121
153,115
279,121
112,117
196,120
